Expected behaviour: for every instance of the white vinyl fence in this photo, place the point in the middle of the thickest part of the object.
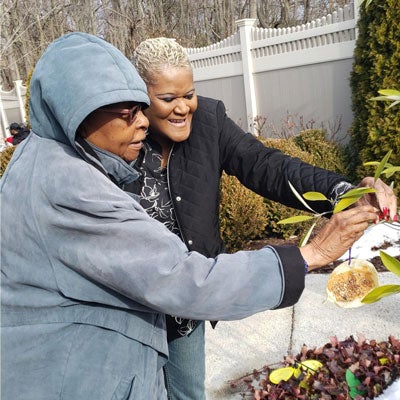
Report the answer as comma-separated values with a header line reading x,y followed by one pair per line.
x,y
12,108
301,71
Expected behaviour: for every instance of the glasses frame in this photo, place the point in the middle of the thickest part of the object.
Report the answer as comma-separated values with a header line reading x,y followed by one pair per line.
x,y
131,113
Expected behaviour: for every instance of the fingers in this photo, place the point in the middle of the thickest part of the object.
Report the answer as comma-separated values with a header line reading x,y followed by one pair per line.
x,y
340,233
384,198
353,218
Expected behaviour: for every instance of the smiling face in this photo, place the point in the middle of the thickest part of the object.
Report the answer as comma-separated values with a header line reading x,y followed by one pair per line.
x,y
116,132
172,103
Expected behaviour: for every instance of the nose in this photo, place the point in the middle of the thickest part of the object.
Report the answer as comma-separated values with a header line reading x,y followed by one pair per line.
x,y
181,107
142,121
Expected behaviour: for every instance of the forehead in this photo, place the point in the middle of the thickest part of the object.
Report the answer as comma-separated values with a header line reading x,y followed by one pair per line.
x,y
171,80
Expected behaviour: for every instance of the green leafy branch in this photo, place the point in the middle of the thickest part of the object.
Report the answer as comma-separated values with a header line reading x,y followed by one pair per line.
x,y
383,167
344,201
388,95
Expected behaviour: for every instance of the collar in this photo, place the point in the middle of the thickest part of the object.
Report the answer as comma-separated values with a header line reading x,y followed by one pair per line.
x,y
120,172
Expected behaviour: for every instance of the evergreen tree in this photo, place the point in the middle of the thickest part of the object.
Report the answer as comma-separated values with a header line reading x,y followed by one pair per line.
x,y
376,128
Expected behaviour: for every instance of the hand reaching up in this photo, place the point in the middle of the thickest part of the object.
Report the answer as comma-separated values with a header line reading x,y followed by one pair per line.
x,y
338,235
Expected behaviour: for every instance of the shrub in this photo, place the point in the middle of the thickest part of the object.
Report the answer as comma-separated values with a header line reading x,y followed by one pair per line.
x,y
276,211
375,130
5,157
324,153
242,214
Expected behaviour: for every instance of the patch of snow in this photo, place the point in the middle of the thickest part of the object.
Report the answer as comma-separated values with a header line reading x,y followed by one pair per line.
x,y
391,393
374,237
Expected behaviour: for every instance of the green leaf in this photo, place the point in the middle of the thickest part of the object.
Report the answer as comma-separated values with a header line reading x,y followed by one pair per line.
x,y
390,171
350,197
391,263
380,292
300,198
353,383
357,192
371,163
389,92
382,164
344,203
394,103
307,235
379,98
295,219
314,196
281,374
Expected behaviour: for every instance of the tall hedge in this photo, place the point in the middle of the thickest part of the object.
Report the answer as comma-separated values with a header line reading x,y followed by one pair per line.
x,y
376,128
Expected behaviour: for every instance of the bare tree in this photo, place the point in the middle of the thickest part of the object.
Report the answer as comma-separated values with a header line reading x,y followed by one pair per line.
x,y
28,26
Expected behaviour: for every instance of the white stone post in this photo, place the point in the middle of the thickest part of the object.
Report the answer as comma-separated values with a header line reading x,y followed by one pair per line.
x,y
18,87
4,122
245,26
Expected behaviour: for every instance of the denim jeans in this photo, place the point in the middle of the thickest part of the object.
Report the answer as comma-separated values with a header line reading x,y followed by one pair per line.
x,y
185,369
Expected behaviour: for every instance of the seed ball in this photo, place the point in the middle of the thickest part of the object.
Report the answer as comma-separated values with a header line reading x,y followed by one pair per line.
x,y
349,283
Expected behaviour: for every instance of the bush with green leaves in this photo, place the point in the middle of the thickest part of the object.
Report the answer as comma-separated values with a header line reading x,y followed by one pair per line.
x,y
242,214
376,127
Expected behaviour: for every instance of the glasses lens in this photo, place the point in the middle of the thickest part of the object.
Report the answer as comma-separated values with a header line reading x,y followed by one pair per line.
x,y
133,112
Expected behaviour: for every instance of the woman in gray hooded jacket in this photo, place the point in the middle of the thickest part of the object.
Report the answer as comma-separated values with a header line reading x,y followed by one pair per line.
x,y
84,299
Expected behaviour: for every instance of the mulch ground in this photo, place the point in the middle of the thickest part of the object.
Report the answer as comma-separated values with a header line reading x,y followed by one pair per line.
x,y
257,244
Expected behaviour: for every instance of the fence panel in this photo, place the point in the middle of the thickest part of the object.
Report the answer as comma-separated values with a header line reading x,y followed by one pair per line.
x,y
302,70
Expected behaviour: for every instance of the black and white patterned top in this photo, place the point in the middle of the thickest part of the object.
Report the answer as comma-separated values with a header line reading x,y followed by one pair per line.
x,y
155,197
156,200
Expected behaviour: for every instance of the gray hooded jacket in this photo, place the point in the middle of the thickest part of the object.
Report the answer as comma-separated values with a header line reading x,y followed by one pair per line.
x,y
80,250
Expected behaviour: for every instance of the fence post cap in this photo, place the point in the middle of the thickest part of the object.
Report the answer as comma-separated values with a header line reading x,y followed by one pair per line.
x,y
246,22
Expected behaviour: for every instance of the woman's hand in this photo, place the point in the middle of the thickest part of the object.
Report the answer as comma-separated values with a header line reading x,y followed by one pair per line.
x,y
384,198
338,235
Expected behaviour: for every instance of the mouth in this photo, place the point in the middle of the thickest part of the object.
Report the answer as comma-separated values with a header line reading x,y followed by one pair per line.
x,y
137,145
179,123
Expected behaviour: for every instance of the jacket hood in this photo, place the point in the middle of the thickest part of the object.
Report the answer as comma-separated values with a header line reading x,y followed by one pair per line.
x,y
77,74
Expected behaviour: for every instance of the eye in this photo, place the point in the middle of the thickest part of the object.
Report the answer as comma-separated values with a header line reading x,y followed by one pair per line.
x,y
168,99
189,96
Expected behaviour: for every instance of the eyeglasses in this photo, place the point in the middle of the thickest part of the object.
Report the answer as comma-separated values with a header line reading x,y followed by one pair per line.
x,y
129,114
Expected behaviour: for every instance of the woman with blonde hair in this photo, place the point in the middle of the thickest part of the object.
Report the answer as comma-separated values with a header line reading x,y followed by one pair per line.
x,y
191,141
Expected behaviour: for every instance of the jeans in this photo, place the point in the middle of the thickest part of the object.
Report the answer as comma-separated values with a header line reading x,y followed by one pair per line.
x,y
185,369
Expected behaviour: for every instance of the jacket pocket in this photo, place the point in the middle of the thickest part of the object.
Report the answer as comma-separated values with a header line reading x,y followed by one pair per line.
x,y
125,390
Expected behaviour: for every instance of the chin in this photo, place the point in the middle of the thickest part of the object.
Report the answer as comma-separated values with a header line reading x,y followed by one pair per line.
x,y
131,157
179,136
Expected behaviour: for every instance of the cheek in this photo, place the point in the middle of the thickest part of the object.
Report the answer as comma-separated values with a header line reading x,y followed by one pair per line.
x,y
193,104
158,111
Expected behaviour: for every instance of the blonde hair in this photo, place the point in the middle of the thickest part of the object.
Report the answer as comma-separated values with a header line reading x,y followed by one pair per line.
x,y
154,55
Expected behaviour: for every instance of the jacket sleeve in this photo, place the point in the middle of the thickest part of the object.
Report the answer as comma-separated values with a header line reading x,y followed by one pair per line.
x,y
268,171
110,240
